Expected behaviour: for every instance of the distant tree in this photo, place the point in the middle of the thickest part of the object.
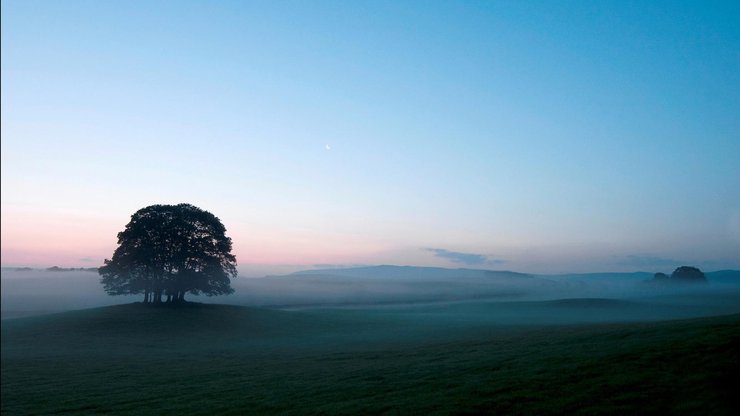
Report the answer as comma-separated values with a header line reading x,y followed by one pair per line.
x,y
688,274
170,250
660,277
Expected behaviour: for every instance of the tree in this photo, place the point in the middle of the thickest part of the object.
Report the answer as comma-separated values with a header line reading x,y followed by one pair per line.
x,y
688,274
660,277
170,250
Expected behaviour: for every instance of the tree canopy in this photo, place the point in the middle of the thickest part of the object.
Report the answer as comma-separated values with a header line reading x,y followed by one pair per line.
x,y
170,250
688,274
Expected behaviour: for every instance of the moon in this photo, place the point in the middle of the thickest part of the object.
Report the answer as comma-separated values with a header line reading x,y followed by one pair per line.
x,y
327,147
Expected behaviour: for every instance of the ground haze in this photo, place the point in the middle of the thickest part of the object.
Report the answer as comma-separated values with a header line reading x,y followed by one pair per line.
x,y
409,341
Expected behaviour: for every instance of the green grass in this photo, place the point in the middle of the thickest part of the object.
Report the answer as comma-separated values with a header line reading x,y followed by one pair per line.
x,y
215,359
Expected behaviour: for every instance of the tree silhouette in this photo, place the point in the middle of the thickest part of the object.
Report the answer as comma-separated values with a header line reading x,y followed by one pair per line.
x,y
170,250
688,274
660,277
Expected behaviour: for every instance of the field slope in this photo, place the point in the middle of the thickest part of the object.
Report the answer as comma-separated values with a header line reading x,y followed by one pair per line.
x,y
218,359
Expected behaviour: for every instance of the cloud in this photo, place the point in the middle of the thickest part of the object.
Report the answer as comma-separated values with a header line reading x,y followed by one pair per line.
x,y
86,260
646,260
470,259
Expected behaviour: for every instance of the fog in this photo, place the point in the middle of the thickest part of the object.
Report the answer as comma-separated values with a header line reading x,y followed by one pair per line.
x,y
507,297
35,292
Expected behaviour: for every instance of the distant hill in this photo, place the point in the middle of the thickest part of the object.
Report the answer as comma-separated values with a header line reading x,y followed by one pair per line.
x,y
416,273
413,273
393,284
724,276
613,276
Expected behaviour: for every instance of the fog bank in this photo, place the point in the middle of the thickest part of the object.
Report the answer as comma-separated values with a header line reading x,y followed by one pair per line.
x,y
33,292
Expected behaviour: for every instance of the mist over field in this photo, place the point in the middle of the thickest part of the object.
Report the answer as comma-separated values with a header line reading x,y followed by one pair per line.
x,y
375,340
509,296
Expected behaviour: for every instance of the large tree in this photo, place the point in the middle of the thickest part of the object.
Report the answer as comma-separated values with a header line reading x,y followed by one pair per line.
x,y
170,250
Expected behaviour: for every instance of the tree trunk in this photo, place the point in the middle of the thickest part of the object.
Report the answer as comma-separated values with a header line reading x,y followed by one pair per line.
x,y
181,296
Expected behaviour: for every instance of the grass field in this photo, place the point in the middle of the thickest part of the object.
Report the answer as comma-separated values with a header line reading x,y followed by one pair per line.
x,y
452,359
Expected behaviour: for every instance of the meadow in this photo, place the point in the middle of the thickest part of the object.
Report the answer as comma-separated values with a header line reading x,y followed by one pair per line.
x,y
564,356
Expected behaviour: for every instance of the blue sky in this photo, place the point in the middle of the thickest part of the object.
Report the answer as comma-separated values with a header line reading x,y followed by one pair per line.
x,y
532,136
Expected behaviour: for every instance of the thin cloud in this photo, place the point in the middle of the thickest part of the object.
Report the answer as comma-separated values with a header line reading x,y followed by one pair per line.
x,y
470,259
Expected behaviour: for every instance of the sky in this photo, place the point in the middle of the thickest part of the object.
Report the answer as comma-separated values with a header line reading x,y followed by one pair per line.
x,y
535,136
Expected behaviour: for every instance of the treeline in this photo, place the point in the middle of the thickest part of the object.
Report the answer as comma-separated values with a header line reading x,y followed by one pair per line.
x,y
53,269
683,274
72,269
